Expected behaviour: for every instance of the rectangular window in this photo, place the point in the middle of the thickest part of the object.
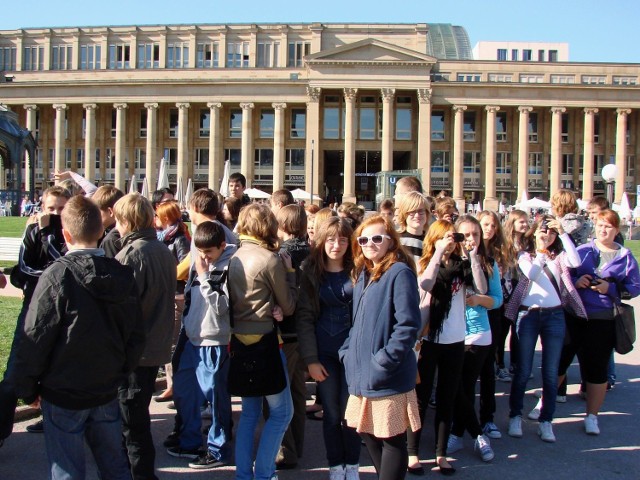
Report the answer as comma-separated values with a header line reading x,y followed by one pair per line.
x,y
237,54
471,162
534,166
8,58
533,127
234,155
294,159
594,79
403,124
61,58
437,125
598,164
90,57
531,78
526,55
33,59
298,123
202,159
439,162
630,165
207,55
565,79
440,77
565,128
596,128
205,123
367,123
140,161
331,123
263,158
268,53
468,77
625,80
142,133
297,52
173,123
171,155
514,54
114,122
119,56
235,124
500,77
501,55
503,163
553,55
567,164
178,55
469,127
501,126
541,55
148,55
97,160
267,122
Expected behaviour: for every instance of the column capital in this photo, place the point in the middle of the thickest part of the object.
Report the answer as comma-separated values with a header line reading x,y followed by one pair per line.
x,y
214,105
59,106
557,110
388,94
459,108
525,109
89,106
120,106
151,106
30,108
247,106
314,94
350,93
492,108
424,95
590,111
279,106
623,111
183,105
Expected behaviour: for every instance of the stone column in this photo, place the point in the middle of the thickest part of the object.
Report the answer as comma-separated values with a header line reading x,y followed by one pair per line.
x,y
424,137
90,141
151,172
523,150
59,162
313,140
587,171
246,166
183,143
490,199
349,189
216,155
556,149
30,163
458,156
621,151
278,146
388,95
120,174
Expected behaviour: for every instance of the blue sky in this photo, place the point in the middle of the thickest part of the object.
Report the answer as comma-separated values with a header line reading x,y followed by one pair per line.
x,y
596,30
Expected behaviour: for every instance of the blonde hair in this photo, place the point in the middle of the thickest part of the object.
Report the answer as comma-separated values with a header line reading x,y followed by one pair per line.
x,y
564,202
411,202
509,233
135,211
258,221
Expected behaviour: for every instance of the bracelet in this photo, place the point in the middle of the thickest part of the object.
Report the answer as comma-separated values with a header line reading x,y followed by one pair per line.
x,y
544,251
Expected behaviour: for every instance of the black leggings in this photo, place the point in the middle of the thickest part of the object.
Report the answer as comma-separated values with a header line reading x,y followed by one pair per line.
x,y
488,372
507,325
464,412
389,455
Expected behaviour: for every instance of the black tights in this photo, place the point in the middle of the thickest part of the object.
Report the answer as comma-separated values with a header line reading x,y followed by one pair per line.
x,y
389,455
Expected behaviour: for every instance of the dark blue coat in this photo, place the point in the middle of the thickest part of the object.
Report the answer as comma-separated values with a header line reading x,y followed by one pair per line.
x,y
378,356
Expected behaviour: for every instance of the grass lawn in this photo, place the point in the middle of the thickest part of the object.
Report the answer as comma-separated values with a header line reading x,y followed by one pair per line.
x,y
9,309
12,226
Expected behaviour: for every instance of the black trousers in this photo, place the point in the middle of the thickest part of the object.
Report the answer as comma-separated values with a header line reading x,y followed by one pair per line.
x,y
464,411
488,372
135,397
389,455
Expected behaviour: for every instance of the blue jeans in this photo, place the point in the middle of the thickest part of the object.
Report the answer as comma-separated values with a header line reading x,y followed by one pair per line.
x,y
66,431
280,414
202,375
550,326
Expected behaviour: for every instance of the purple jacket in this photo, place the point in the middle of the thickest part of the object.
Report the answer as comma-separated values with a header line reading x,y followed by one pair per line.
x,y
622,269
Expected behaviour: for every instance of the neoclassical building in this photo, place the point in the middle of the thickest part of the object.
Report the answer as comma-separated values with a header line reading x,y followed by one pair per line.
x,y
323,107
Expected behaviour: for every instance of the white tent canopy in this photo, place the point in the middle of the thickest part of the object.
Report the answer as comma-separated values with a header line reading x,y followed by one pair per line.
x,y
299,194
534,202
256,193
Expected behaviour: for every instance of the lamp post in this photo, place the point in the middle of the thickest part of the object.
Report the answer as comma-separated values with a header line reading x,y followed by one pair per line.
x,y
609,173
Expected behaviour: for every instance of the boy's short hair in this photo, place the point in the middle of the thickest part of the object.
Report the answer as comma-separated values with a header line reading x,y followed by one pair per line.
x,y
601,202
292,219
443,204
134,210
157,195
410,183
208,235
386,204
81,218
106,196
283,197
56,191
204,201
238,177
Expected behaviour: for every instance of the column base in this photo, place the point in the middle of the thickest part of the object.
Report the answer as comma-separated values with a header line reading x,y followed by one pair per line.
x,y
349,197
461,204
491,203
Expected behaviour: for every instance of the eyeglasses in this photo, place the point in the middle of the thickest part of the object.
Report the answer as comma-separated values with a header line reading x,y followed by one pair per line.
x,y
375,239
342,241
417,213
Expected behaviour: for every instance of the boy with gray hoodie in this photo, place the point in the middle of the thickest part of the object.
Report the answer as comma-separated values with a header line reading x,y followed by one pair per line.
x,y
203,366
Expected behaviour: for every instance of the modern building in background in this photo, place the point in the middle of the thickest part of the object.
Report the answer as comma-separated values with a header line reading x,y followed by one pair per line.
x,y
521,51
319,106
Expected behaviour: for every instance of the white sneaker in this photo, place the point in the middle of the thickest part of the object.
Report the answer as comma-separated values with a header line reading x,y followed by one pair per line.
x,y
546,432
515,427
337,473
535,413
454,444
352,472
491,430
483,448
591,424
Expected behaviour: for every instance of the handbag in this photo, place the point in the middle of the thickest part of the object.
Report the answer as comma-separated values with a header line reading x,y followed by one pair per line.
x,y
256,370
625,327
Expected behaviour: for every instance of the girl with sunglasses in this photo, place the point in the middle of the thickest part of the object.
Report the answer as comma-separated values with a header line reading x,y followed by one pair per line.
x,y
446,268
378,355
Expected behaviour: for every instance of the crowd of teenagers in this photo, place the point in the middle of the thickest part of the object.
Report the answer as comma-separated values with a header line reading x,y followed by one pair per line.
x,y
389,313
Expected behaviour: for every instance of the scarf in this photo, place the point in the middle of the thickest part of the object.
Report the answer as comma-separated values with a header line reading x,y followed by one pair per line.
x,y
168,233
442,292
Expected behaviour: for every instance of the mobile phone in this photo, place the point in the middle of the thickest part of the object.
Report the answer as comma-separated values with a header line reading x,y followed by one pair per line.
x,y
544,226
458,237
594,282
55,222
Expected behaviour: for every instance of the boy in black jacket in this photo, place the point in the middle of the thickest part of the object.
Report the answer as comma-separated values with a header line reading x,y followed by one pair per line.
x,y
83,334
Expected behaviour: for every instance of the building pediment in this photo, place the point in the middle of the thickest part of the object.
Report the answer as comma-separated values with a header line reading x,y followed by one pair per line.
x,y
370,52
